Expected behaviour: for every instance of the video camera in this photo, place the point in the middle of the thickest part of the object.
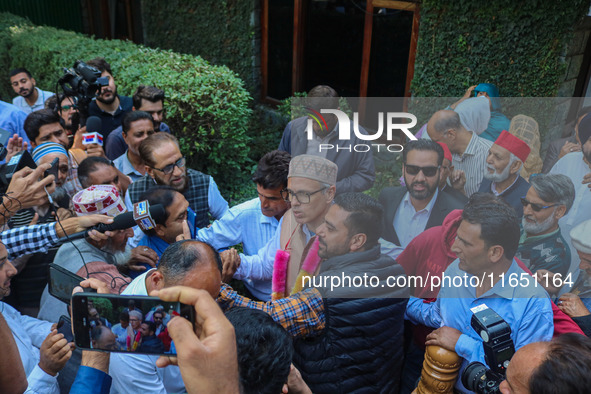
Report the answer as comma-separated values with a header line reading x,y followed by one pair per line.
x,y
82,82
498,350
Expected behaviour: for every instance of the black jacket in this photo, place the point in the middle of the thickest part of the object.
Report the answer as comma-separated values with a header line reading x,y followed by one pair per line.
x,y
391,197
361,348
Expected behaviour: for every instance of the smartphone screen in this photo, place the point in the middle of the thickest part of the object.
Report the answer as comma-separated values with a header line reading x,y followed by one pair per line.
x,y
62,283
100,323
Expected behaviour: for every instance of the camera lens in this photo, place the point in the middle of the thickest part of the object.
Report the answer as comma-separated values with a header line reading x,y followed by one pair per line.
x,y
474,375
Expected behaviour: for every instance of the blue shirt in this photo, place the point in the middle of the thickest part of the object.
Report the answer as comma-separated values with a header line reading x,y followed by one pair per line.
x,y
159,245
246,224
123,164
526,309
115,145
12,120
21,103
91,381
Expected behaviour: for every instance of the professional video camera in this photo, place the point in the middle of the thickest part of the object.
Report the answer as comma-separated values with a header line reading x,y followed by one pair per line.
x,y
498,350
82,82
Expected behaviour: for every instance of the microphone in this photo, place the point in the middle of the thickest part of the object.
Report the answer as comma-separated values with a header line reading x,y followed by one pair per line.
x,y
121,222
94,124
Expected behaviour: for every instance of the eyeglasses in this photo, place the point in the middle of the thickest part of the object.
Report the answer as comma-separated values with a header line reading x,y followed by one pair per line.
x,y
535,207
180,163
302,197
427,171
68,107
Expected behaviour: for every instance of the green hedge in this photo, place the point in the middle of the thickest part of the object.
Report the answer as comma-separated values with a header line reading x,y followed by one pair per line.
x,y
220,31
516,44
207,106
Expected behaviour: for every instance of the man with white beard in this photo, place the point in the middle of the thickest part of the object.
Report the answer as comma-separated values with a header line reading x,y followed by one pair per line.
x,y
503,165
542,246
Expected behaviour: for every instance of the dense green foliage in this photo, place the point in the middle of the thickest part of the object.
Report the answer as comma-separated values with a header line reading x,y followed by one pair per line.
x,y
207,106
516,44
220,31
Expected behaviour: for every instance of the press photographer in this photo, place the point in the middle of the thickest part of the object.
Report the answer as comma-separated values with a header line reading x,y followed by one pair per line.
x,y
486,242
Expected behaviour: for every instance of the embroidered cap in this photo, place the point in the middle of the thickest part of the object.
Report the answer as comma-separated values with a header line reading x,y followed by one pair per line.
x,y
102,199
313,167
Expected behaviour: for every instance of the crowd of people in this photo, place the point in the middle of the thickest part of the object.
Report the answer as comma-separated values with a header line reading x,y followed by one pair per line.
x,y
330,290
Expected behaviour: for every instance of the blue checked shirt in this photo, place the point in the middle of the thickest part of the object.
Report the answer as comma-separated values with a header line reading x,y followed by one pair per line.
x,y
29,239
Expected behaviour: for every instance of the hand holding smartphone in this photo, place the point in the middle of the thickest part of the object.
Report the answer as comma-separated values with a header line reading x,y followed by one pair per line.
x,y
97,323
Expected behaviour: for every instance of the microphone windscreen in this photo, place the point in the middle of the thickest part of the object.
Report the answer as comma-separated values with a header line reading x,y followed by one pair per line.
x,y
94,124
158,213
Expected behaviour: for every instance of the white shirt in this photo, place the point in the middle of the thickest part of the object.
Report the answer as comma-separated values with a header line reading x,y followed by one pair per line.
x,y
573,166
408,222
246,224
473,162
137,373
260,265
29,333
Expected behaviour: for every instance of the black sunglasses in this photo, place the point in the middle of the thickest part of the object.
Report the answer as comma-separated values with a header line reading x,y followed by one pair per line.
x,y
427,171
535,207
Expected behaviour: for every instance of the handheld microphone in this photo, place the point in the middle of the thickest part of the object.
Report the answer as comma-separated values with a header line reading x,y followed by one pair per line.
x,y
94,124
121,222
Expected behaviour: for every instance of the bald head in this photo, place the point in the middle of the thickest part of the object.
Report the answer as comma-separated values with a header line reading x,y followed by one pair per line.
x,y
191,263
523,364
445,126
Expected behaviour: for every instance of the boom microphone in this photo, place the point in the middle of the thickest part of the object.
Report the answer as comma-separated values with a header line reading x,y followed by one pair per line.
x,y
120,222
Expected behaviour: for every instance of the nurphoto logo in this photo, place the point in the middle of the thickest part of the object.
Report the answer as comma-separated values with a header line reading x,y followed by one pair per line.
x,y
344,129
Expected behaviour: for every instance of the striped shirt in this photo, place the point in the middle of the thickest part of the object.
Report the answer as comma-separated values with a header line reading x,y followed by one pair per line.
x,y
473,162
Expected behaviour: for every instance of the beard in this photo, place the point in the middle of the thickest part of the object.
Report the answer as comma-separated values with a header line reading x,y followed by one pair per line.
x,y
421,195
109,100
496,176
26,93
538,227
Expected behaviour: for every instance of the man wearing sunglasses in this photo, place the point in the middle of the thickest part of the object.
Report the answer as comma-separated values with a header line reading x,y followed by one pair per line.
x,y
503,165
165,165
418,205
541,245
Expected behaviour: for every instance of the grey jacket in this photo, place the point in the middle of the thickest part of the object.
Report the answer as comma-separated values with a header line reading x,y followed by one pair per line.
x,y
356,169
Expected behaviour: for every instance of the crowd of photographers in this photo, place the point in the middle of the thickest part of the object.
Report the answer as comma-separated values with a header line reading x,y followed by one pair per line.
x,y
478,252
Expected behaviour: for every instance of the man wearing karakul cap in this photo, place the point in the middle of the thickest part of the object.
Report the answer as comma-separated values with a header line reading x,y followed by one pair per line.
x,y
310,189
504,162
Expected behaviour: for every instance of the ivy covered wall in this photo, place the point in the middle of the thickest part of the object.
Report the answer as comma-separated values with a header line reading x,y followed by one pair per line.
x,y
220,31
519,45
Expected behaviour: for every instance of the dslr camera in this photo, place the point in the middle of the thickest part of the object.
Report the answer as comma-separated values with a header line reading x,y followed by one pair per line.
x,y
498,350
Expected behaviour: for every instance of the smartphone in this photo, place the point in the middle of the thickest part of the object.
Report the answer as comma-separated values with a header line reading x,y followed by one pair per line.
x,y
64,326
53,170
18,162
97,325
62,283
